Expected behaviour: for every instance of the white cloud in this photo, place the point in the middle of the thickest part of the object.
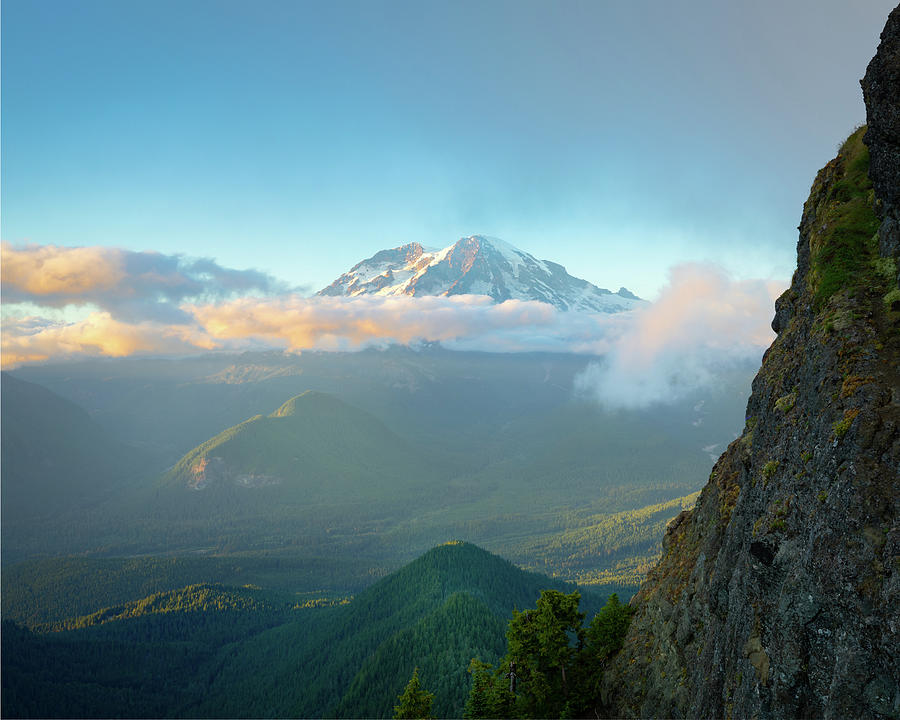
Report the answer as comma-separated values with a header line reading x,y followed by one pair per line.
x,y
32,339
147,303
340,323
703,322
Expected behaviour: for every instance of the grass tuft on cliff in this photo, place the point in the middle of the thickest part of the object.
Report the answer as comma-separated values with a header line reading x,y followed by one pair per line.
x,y
844,244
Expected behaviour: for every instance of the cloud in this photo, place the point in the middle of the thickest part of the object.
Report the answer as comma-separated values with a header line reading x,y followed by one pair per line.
x,y
704,322
31,339
295,323
340,323
149,303
133,286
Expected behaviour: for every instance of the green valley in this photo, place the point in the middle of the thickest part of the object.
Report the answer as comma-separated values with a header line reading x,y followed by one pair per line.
x,y
279,563
393,453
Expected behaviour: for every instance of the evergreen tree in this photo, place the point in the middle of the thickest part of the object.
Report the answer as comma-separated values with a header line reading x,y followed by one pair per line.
x,y
477,706
553,666
490,696
415,702
543,644
607,630
604,637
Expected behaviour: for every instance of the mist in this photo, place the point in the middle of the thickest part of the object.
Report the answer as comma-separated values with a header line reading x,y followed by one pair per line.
x,y
704,323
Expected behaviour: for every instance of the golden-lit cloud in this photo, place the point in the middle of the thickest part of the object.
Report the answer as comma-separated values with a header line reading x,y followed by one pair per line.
x,y
32,340
295,323
41,271
703,322
299,323
136,286
148,303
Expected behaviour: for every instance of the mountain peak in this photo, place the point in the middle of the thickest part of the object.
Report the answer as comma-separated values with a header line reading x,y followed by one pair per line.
x,y
476,265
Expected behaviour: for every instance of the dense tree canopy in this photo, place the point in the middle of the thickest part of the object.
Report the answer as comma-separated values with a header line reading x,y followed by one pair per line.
x,y
553,665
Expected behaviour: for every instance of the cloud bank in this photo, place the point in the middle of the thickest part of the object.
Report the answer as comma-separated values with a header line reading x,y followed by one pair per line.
x,y
295,323
135,286
338,323
704,322
148,303
31,339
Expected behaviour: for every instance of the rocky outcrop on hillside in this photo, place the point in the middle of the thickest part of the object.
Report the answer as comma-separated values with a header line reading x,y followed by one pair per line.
x,y
778,595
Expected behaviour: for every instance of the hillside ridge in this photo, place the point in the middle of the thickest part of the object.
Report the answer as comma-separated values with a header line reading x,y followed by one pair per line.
x,y
218,650
54,455
308,440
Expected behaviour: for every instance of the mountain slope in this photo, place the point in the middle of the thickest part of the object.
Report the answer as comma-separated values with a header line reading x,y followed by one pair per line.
x,y
54,456
52,590
477,265
144,659
777,596
499,455
313,447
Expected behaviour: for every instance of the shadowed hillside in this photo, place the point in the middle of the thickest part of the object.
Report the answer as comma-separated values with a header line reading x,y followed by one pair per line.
x,y
54,456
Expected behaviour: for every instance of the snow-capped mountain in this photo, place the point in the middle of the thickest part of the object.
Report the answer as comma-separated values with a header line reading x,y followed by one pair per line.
x,y
477,265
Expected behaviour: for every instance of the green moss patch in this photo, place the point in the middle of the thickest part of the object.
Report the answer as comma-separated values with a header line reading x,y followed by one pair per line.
x,y
786,402
843,244
841,427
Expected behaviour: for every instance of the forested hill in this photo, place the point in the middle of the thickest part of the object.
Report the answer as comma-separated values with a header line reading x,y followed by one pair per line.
x,y
314,445
437,613
245,652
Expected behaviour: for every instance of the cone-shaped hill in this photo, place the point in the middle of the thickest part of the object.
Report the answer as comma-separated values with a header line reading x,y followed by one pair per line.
x,y
314,447
436,613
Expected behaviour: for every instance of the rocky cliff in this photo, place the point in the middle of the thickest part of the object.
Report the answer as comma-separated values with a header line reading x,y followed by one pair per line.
x,y
778,595
881,91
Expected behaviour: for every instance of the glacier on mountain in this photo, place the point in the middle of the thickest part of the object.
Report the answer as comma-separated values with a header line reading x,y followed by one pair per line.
x,y
477,265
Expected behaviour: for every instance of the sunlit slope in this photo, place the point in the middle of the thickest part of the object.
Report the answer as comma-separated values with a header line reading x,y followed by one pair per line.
x,y
607,551
51,590
433,396
313,448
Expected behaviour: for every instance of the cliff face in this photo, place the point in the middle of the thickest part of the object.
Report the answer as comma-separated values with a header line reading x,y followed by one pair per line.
x,y
778,595
881,91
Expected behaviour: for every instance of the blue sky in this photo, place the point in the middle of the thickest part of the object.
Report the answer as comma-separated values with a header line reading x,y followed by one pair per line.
x,y
618,138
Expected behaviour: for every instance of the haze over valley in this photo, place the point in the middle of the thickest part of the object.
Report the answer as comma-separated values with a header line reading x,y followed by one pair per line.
x,y
389,359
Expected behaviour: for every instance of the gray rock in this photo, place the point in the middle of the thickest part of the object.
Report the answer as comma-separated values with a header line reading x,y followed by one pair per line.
x,y
881,91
